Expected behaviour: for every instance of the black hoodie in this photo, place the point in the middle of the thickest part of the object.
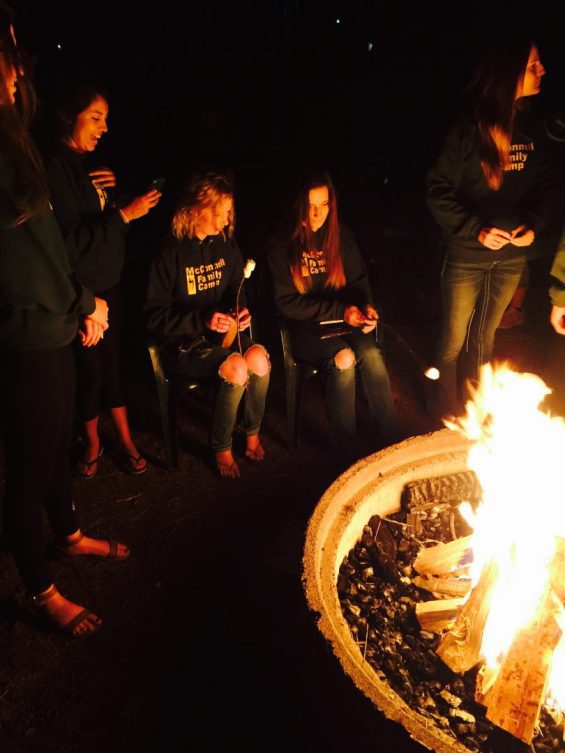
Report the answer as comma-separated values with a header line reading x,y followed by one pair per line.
x,y
189,280
462,203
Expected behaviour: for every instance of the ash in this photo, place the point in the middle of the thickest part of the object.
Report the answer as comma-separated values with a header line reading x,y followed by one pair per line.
x,y
378,601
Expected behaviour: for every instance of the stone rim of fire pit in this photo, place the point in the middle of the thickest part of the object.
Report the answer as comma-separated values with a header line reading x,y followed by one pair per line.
x,y
372,486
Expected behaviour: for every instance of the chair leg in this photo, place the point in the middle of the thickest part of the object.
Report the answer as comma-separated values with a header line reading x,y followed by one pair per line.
x,y
164,395
300,385
173,424
291,407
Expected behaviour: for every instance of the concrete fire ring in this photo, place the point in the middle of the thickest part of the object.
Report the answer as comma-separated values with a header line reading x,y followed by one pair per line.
x,y
373,486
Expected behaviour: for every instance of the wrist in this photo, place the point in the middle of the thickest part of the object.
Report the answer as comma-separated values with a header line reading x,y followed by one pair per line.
x,y
124,216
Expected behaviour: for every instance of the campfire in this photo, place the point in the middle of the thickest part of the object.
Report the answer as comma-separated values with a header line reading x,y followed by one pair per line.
x,y
487,603
505,607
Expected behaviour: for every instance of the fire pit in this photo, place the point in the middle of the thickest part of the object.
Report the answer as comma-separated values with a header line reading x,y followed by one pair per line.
x,y
506,619
373,486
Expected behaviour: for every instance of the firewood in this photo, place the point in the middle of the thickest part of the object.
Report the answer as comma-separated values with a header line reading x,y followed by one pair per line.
x,y
514,701
460,648
452,488
557,569
437,615
446,586
443,558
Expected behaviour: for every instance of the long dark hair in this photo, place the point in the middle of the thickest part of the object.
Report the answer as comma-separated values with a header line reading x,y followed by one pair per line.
x,y
302,237
493,91
73,99
28,190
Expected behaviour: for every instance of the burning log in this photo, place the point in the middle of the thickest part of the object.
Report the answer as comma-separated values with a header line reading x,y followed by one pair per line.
x,y
514,700
452,488
460,649
557,572
444,586
437,615
443,558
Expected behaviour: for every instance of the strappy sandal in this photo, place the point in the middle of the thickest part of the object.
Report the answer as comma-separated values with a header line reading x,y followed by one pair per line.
x,y
135,464
63,550
50,623
82,466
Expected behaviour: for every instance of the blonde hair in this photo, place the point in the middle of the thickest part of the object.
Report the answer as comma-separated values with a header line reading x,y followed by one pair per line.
x,y
203,190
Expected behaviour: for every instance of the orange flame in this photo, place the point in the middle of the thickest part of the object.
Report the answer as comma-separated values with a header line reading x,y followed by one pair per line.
x,y
518,455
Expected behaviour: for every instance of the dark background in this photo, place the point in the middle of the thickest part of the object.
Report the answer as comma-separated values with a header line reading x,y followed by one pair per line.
x,y
266,86
207,642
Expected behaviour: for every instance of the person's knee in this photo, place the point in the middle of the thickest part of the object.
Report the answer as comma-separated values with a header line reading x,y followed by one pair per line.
x,y
257,360
344,359
234,369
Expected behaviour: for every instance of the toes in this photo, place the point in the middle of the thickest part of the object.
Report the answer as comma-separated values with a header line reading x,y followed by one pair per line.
x,y
123,550
90,623
257,454
230,470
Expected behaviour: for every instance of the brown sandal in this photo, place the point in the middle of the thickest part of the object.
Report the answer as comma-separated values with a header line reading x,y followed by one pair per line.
x,y
63,549
49,622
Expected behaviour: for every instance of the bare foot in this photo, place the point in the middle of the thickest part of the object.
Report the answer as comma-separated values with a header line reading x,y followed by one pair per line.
x,y
226,465
255,450
64,615
79,545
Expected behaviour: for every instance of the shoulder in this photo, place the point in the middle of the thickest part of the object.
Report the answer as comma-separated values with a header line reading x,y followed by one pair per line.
x,y
347,239
170,248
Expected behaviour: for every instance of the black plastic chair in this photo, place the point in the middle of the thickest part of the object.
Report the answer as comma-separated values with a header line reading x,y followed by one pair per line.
x,y
296,374
169,389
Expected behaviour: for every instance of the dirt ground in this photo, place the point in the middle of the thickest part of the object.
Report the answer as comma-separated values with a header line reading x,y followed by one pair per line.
x,y
207,642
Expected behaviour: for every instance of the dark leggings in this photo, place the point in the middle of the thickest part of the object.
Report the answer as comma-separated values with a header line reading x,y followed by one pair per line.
x,y
99,380
37,402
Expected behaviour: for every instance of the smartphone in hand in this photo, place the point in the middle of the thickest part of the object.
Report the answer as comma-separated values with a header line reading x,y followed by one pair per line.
x,y
158,184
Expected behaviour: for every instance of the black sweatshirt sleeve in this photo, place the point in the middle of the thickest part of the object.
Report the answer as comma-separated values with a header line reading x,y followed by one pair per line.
x,y
91,237
442,183
290,302
166,316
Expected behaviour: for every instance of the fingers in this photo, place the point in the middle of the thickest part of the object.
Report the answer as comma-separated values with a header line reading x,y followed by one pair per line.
x,y
92,332
103,177
142,204
494,238
220,322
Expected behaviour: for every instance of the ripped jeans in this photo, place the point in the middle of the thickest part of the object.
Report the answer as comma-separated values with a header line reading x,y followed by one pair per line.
x,y
340,383
204,361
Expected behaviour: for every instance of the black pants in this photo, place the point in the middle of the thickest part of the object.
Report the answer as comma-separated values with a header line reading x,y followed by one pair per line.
x,y
37,410
99,379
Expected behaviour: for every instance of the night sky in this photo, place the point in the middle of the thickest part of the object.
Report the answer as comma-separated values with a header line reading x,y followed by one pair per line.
x,y
278,83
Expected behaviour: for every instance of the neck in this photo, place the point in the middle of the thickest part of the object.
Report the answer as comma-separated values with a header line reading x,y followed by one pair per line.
x,y
71,144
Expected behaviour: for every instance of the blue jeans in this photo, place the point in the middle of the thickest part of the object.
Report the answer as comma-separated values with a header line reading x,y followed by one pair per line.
x,y
340,383
475,296
205,361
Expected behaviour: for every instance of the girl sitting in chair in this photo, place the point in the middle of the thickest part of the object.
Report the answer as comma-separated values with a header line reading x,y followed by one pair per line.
x,y
194,306
319,275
